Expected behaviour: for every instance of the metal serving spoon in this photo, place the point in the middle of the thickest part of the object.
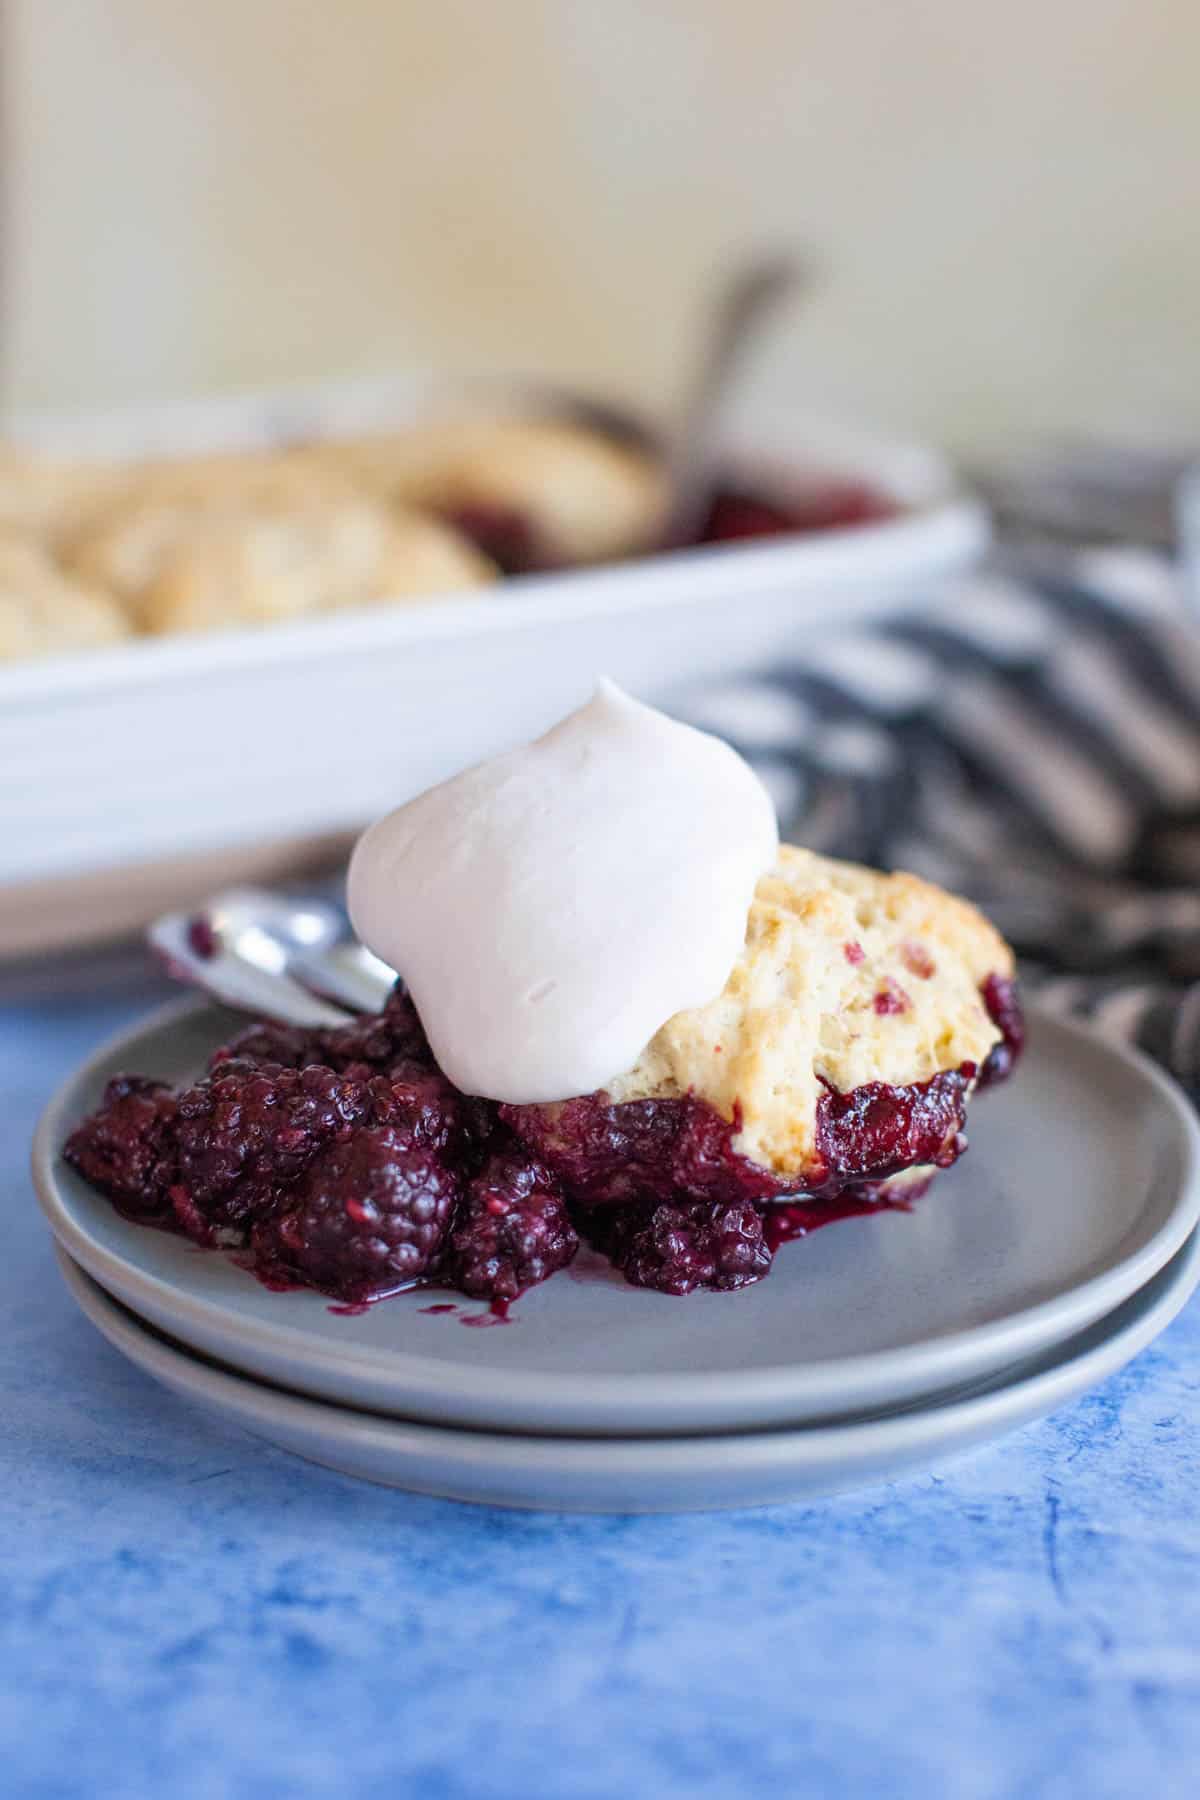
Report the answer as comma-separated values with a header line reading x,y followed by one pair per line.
x,y
746,296
273,956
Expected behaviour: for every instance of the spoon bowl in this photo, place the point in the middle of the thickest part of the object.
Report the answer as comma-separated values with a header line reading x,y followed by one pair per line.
x,y
273,957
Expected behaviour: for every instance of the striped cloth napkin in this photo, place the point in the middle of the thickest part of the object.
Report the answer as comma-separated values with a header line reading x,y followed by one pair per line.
x,y
1031,738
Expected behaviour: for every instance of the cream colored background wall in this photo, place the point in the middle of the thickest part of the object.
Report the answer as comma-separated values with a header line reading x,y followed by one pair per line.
x,y
210,193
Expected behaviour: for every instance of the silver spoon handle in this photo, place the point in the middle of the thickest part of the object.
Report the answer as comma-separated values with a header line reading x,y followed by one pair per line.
x,y
744,303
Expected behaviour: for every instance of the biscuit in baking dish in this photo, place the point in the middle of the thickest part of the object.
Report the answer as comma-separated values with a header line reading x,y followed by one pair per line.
x,y
318,559
211,563
158,505
242,477
47,497
44,612
580,496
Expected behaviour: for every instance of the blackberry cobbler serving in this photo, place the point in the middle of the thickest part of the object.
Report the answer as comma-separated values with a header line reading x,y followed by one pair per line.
x,y
626,1014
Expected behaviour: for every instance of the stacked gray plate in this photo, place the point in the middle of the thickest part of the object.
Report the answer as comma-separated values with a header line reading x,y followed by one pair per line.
x,y
1048,1257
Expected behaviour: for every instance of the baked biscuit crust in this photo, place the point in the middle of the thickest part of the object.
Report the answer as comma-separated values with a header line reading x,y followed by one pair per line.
x,y
205,562
319,559
49,497
848,978
584,497
44,612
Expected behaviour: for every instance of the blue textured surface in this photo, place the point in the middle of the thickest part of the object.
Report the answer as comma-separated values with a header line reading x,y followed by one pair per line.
x,y
186,1613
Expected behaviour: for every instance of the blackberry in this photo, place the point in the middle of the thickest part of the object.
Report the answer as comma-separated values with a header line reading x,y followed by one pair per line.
x,y
392,1036
433,1112
124,1148
512,1230
269,1046
376,1041
676,1246
370,1215
247,1133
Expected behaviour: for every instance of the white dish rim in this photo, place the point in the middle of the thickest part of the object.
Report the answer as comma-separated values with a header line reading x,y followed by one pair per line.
x,y
952,530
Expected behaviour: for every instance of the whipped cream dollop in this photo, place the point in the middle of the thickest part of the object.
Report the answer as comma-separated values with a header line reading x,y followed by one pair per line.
x,y
550,909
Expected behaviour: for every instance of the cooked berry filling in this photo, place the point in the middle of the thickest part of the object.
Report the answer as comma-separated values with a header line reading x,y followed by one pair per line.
x,y
1003,1001
345,1161
606,1154
380,1040
875,1130
509,536
737,513
785,1223
504,534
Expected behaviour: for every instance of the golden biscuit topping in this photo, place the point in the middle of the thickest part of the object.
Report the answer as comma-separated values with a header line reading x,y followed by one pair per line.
x,y
847,977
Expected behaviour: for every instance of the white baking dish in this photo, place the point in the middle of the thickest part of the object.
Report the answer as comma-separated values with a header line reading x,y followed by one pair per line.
x,y
177,748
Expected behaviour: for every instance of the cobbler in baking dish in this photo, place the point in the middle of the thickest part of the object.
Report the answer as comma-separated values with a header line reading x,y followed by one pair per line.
x,y
95,552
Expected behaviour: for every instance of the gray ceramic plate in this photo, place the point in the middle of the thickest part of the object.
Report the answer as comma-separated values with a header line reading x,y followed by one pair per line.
x,y
670,1474
1081,1183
